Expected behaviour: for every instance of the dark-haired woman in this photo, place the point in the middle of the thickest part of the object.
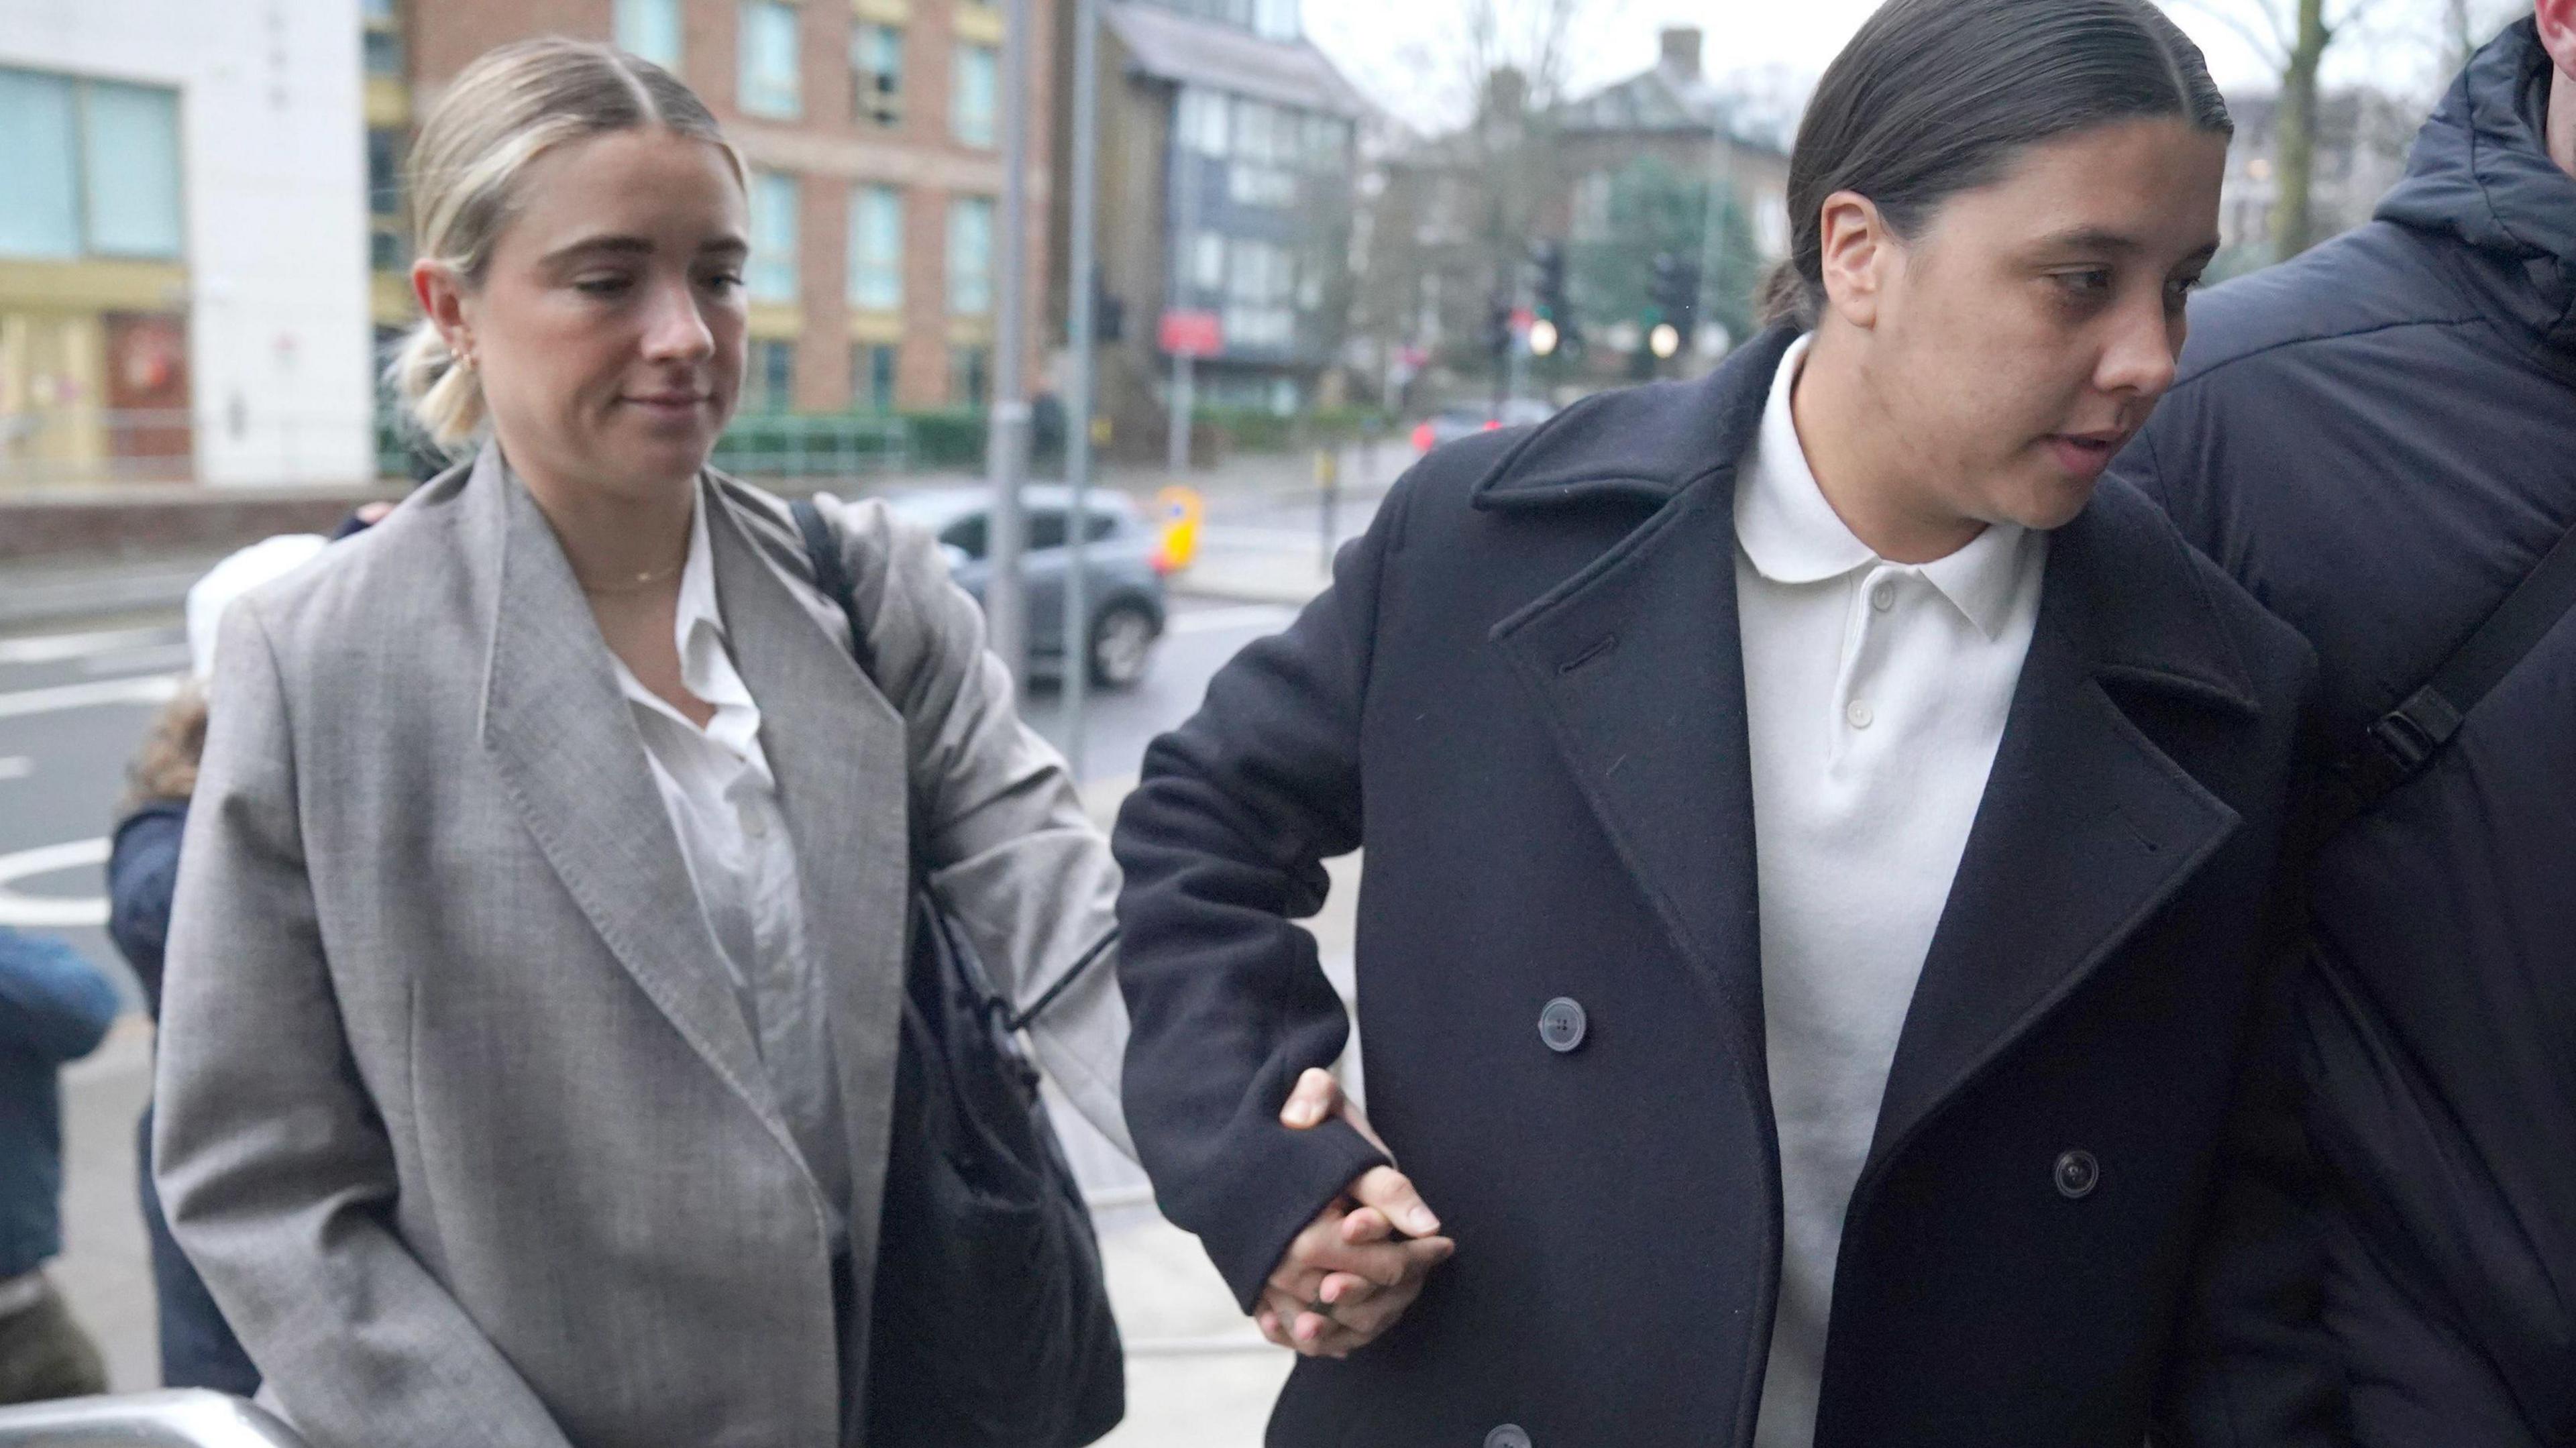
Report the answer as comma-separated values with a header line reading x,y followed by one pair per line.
x,y
1821,928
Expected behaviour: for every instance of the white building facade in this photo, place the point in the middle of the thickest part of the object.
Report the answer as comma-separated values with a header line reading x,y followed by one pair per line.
x,y
183,243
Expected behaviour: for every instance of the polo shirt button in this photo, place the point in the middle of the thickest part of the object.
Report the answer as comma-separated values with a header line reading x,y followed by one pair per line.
x,y
1510,1435
2077,1175
1562,1025
1858,712
1883,597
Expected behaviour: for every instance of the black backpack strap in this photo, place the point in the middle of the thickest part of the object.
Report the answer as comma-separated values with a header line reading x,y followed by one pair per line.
x,y
832,577
2405,739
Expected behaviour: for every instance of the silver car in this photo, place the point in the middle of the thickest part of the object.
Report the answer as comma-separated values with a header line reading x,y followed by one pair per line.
x,y
1122,570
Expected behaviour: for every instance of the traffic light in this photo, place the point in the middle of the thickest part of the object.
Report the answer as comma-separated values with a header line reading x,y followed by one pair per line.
x,y
1498,329
1672,292
1553,310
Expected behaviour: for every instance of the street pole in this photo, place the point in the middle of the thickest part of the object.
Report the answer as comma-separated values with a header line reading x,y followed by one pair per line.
x,y
1006,454
1079,330
1184,401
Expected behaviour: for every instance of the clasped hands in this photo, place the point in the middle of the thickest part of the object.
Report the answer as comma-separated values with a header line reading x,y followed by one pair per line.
x,y
1351,1273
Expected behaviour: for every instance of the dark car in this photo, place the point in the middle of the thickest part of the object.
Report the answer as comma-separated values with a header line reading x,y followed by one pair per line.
x,y
1123,581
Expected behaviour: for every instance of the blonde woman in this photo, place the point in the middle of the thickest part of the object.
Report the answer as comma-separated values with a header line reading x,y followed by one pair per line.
x,y
530,1021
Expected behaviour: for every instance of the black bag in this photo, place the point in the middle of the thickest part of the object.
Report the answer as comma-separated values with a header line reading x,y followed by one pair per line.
x,y
989,1324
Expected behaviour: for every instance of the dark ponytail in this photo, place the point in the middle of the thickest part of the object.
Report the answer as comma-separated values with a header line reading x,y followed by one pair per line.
x,y
1935,97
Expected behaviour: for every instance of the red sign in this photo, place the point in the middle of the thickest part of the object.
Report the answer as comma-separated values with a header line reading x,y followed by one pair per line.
x,y
1193,334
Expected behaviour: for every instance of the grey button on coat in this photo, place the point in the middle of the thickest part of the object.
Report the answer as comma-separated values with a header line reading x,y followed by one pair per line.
x,y
458,1115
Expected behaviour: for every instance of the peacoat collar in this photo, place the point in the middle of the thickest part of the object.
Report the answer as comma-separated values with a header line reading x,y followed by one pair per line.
x,y
2087,826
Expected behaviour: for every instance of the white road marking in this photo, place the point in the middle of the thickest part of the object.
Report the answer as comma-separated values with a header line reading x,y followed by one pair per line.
x,y
145,689
1225,620
55,648
16,766
51,912
160,658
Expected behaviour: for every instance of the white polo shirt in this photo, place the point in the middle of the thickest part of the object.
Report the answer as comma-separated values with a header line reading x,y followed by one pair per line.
x,y
1876,694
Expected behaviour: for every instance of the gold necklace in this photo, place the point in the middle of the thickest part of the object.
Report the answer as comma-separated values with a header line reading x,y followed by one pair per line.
x,y
640,582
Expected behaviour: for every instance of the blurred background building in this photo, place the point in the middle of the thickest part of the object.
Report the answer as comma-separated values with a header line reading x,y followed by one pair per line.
x,y
182,276
1227,155
872,128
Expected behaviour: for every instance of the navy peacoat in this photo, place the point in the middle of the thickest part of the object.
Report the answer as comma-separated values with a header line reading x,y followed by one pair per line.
x,y
1524,694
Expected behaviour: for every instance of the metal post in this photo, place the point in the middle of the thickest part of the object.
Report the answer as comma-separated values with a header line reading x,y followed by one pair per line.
x,y
1328,481
1006,455
1184,401
1079,328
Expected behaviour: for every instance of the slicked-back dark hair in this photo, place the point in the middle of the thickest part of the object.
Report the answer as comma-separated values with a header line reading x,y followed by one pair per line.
x,y
1936,97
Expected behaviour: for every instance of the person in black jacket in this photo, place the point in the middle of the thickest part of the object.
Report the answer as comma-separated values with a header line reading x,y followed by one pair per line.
x,y
1824,917
2379,440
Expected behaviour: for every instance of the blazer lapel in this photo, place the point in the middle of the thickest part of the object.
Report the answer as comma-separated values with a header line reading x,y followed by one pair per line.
x,y
2086,828
839,753
566,747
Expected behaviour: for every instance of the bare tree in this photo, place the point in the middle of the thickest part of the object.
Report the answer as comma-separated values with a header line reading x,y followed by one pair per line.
x,y
2293,37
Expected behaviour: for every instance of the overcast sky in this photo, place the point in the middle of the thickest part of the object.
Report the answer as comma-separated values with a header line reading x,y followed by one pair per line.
x,y
1384,44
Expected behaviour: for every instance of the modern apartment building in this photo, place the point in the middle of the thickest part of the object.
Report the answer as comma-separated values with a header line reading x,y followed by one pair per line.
x,y
1226,172
872,128
182,274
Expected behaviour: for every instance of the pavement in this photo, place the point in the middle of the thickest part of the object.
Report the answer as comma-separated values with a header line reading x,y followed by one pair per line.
x,y
77,692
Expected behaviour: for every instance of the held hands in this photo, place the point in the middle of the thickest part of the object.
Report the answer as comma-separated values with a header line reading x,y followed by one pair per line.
x,y
1349,1275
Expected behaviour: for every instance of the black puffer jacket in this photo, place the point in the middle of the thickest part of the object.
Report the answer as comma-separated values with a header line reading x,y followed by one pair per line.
x,y
2379,440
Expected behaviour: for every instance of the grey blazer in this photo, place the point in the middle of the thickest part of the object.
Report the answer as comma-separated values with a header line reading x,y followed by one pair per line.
x,y
457,1113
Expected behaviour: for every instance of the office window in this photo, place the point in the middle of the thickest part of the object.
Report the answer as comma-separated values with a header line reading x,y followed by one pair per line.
x,y
876,248
651,29
970,256
769,61
380,41
974,111
40,167
970,377
773,376
385,250
872,376
876,75
1265,186
1207,261
773,237
1203,121
1260,284
91,169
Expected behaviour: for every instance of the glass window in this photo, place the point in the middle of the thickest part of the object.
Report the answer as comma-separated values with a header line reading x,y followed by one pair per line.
x,y
1275,19
876,248
1207,262
773,373
970,256
132,170
876,74
39,171
769,70
651,29
1046,529
974,103
1266,186
773,237
970,377
872,377
1203,121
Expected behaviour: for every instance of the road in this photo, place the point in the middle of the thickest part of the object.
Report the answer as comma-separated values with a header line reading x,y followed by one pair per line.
x,y
75,701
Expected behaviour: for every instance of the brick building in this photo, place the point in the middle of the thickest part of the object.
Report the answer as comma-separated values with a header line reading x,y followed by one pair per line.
x,y
872,130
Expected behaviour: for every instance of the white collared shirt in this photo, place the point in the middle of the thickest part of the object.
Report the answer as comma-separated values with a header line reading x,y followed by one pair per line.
x,y
723,802
1876,695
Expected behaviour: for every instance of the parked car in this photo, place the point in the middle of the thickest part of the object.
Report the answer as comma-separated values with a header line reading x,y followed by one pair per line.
x,y
1452,423
1123,581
